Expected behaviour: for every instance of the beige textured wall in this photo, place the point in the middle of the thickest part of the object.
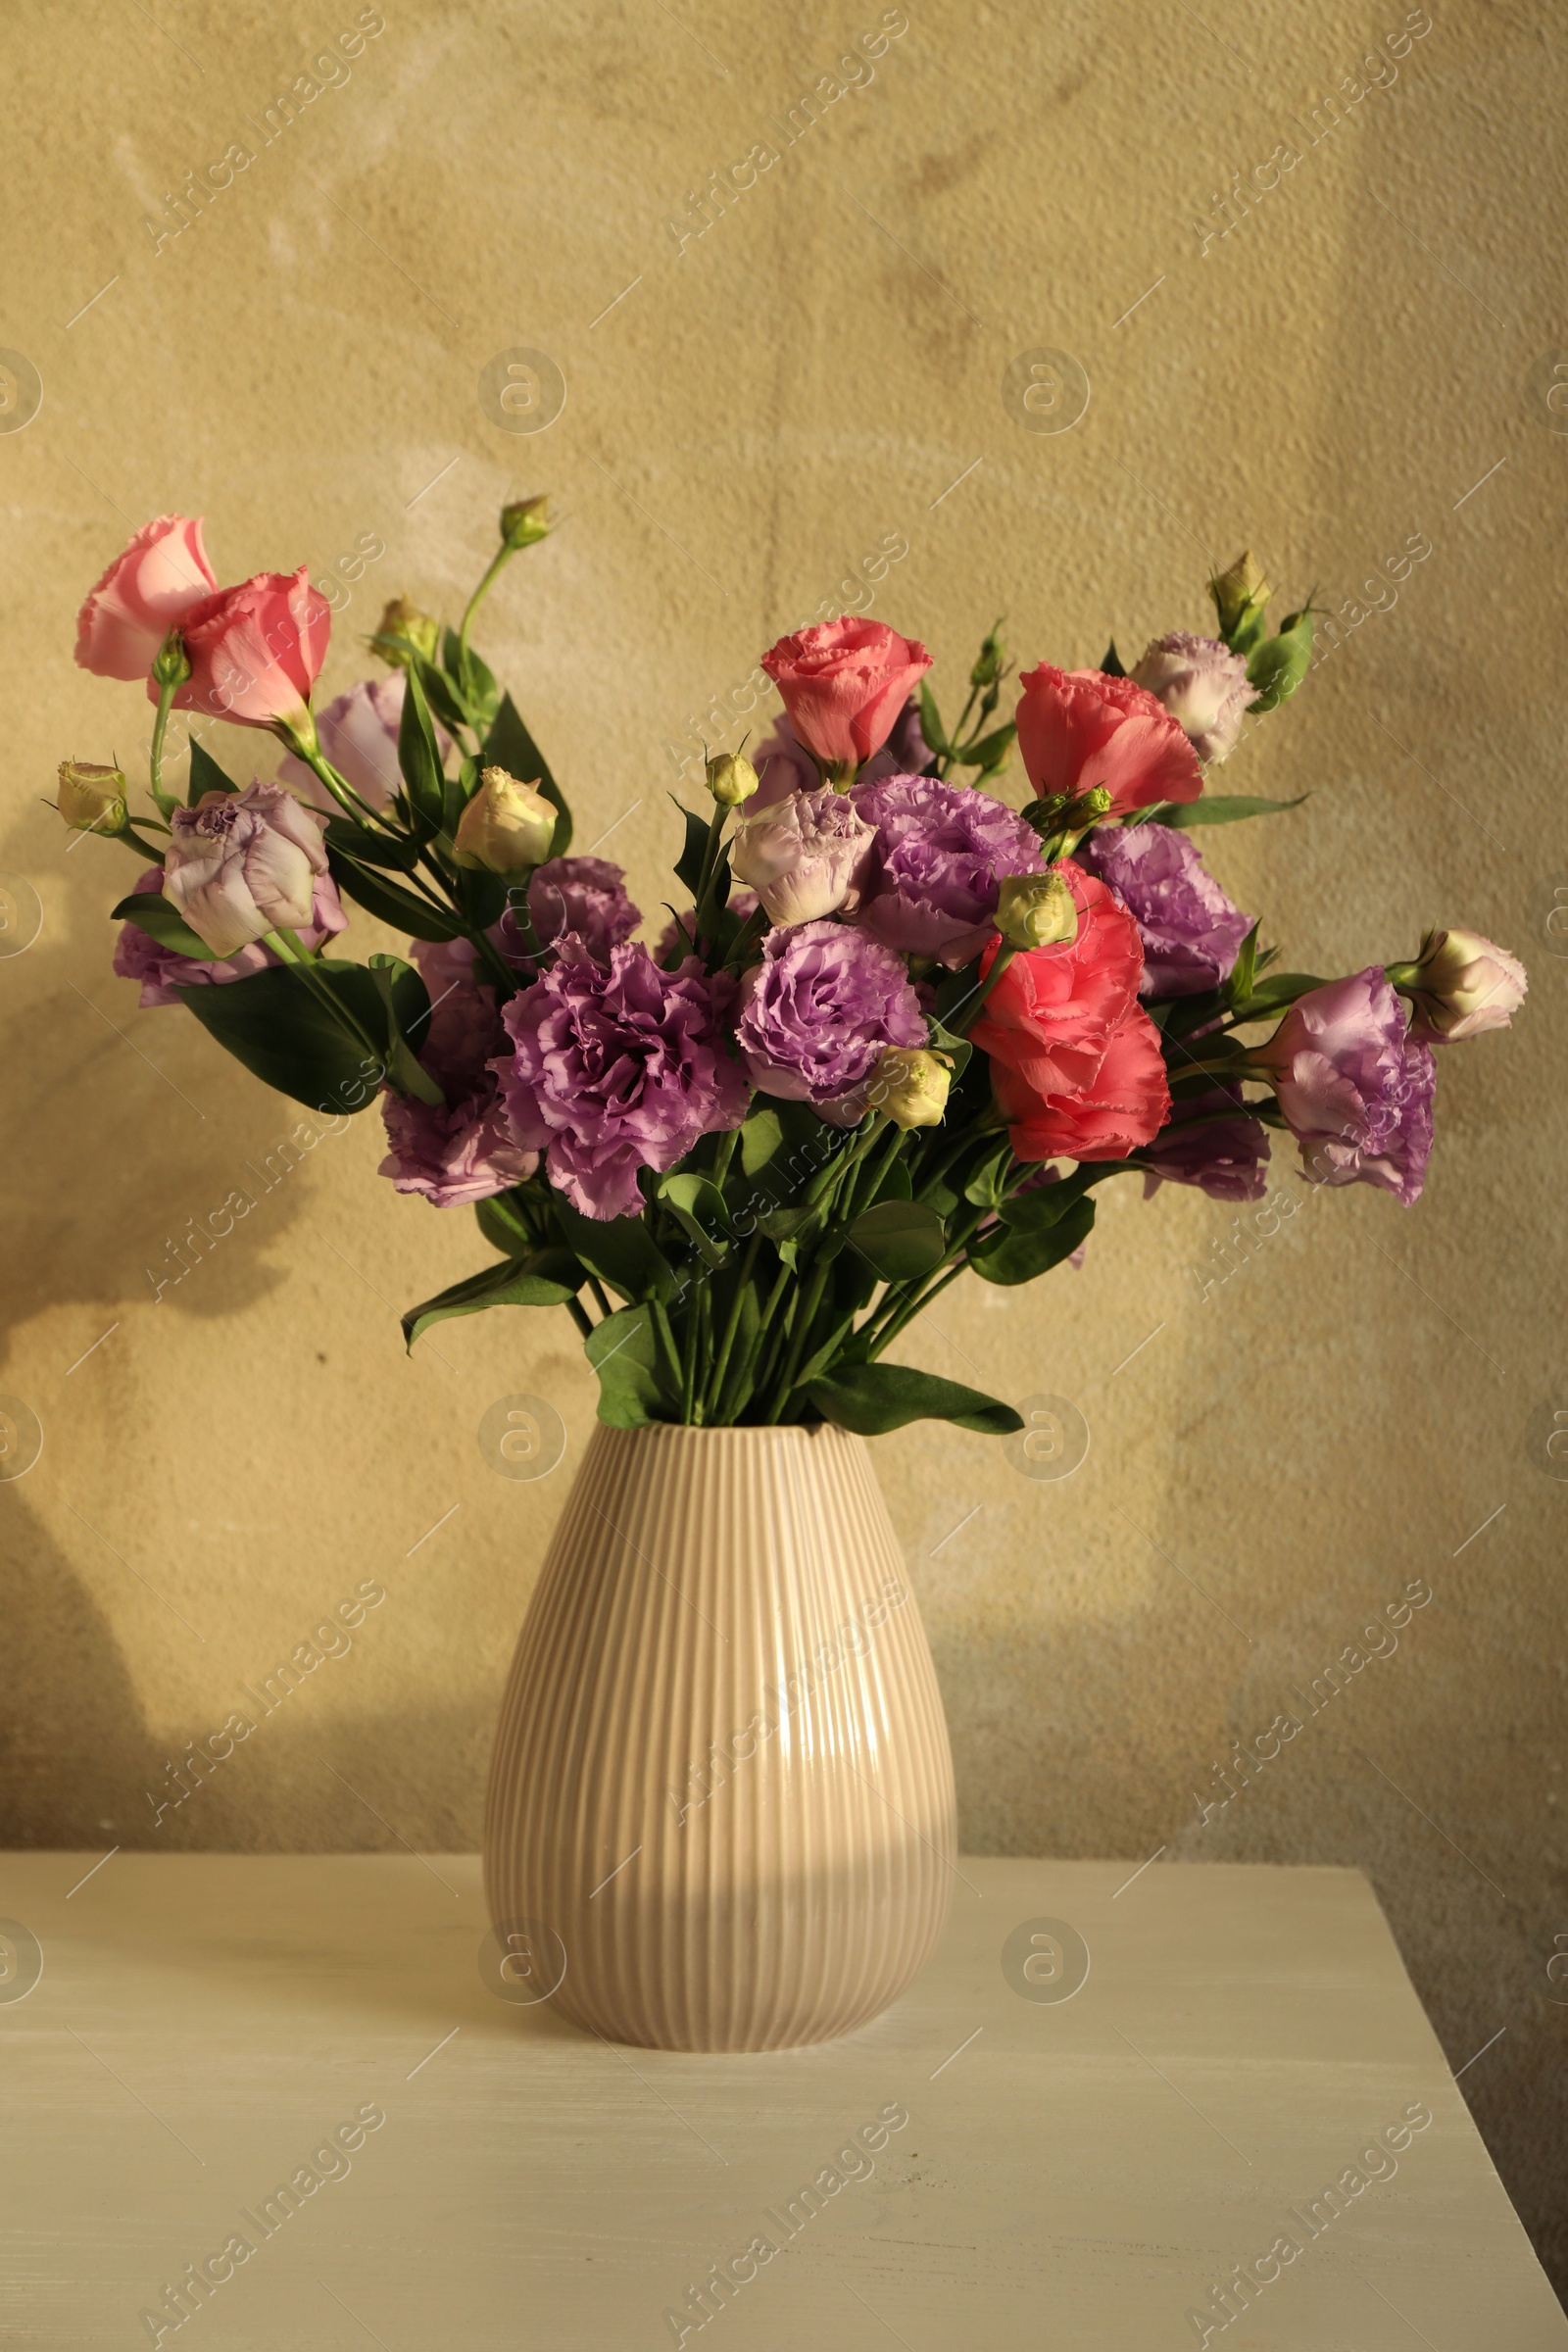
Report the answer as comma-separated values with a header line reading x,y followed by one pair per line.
x,y
753,420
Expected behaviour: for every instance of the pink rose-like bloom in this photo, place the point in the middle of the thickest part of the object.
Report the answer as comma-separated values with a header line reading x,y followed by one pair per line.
x,y
817,1012
1354,1087
784,765
1081,727
1464,985
805,856
164,970
615,1069
244,862
941,850
359,733
462,1151
843,684
159,578
1203,686
255,650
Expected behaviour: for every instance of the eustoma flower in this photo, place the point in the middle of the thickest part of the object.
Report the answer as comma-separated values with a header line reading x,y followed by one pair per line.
x,y
255,650
164,970
784,765
1190,931
359,733
1081,727
1355,1086
1212,1143
941,852
242,863
1203,686
843,684
805,855
615,1069
460,1151
162,576
1075,1062
1460,984
817,1013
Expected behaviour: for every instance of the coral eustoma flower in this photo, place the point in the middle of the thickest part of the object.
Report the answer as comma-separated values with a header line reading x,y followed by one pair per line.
x,y
159,578
843,684
1082,728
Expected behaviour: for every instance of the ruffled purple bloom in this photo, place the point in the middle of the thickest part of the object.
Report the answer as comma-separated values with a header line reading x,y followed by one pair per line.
x,y
817,1012
460,1151
784,765
1203,686
1191,932
615,1069
1355,1086
1224,1155
930,888
585,896
162,970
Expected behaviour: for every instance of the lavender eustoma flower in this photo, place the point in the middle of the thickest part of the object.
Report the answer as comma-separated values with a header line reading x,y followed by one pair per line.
x,y
1203,686
585,896
941,852
617,1067
1191,932
1355,1086
805,855
462,1151
164,970
1209,1141
817,1012
241,863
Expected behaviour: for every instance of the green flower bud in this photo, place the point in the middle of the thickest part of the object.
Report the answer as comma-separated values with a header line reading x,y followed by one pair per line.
x,y
731,778
171,662
1088,807
404,632
1240,596
988,670
1036,910
525,521
506,828
911,1085
93,799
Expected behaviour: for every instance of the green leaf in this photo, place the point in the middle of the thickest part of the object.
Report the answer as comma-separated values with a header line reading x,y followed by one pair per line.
x,y
162,920
418,755
762,1140
205,775
504,1225
278,1026
621,1250
902,1239
944,1041
870,1399
403,1066
931,726
622,1350
547,1278
984,1187
1014,1255
510,745
1243,971
698,1206
1112,666
447,703
991,749
389,902
1219,809
367,846
694,856
1276,667
1273,993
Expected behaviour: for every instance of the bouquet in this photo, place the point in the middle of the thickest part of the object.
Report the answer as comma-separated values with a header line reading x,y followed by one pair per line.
x,y
896,1028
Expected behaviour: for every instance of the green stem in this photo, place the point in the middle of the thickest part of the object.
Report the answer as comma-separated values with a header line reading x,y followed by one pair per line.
x,y
801,1319
498,563
579,1316
155,758
975,1003
732,1324
287,949
658,1317
763,1351
912,1307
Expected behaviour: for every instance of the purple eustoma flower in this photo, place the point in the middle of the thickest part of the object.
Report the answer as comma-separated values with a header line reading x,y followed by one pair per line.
x,y
1191,932
1211,1141
941,850
460,1151
817,1012
1355,1086
784,765
615,1068
162,970
586,896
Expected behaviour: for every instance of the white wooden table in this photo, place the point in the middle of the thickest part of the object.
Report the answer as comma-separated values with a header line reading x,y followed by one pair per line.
x,y
1074,2175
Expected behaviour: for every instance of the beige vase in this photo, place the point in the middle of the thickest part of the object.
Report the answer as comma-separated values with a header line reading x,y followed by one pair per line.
x,y
721,1813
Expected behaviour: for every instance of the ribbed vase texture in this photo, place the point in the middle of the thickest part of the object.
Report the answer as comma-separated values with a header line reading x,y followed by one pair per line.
x,y
721,1791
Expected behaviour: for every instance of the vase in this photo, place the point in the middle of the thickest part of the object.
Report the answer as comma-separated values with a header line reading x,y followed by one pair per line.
x,y
721,1812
